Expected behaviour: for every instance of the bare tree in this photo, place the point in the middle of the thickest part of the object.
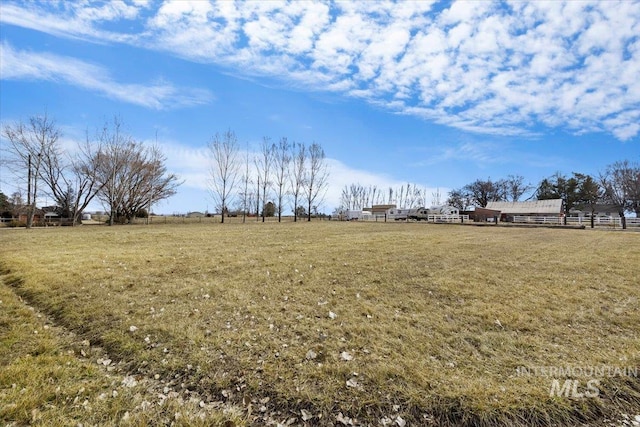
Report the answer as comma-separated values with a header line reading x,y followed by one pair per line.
x,y
224,169
131,176
263,163
281,160
436,197
479,193
514,187
29,144
297,174
315,182
460,199
84,178
246,180
70,178
111,160
621,185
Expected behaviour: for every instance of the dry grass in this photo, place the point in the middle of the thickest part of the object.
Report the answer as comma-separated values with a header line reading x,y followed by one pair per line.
x,y
372,321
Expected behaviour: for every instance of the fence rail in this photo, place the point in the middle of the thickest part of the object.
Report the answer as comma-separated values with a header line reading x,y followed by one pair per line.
x,y
605,221
403,218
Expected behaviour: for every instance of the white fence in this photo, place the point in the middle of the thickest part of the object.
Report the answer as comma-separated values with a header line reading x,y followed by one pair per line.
x,y
537,219
609,221
428,218
448,218
586,221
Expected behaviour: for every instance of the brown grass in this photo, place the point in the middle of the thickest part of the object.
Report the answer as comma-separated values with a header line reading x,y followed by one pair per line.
x,y
436,320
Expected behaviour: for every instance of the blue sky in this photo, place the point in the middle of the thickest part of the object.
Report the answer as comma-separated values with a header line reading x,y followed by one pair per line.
x,y
433,93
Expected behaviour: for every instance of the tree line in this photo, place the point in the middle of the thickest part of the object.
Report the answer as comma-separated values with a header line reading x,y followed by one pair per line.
x,y
281,173
110,166
357,196
128,176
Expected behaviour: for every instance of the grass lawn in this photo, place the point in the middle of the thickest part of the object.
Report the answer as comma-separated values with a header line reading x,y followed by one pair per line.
x,y
320,323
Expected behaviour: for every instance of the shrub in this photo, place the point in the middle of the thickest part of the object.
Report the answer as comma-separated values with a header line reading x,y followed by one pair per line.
x,y
16,223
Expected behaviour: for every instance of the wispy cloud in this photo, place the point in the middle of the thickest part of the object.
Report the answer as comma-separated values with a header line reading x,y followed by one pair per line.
x,y
495,67
25,65
485,155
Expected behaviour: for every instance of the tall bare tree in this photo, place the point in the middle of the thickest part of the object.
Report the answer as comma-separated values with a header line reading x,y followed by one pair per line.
x,y
224,169
131,176
245,195
281,160
514,187
263,162
71,178
316,178
621,185
297,174
29,144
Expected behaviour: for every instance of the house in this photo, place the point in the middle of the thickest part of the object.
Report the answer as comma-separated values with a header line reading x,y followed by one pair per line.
x,y
37,216
529,208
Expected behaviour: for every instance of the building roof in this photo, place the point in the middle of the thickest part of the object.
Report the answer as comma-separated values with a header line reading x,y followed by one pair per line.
x,y
541,207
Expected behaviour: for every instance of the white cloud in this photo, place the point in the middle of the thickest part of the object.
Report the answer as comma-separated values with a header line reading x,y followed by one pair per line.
x,y
26,65
71,19
482,66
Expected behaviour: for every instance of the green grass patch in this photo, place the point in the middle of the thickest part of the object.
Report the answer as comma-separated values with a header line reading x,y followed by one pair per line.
x,y
368,322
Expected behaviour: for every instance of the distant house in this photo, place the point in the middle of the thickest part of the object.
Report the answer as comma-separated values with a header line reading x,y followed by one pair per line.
x,y
534,208
24,212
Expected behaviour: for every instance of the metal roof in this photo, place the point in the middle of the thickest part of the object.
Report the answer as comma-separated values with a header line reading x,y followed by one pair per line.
x,y
551,206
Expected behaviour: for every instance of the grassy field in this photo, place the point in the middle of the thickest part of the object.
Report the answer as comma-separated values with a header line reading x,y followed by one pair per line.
x,y
319,324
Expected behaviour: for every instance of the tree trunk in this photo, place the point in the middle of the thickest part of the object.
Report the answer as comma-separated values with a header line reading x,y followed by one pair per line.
x,y
295,208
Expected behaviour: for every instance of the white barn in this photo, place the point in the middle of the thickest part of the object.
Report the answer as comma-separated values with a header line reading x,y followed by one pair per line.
x,y
530,208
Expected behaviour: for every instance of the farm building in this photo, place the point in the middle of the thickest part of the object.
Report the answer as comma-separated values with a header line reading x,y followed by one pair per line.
x,y
482,214
379,210
533,208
